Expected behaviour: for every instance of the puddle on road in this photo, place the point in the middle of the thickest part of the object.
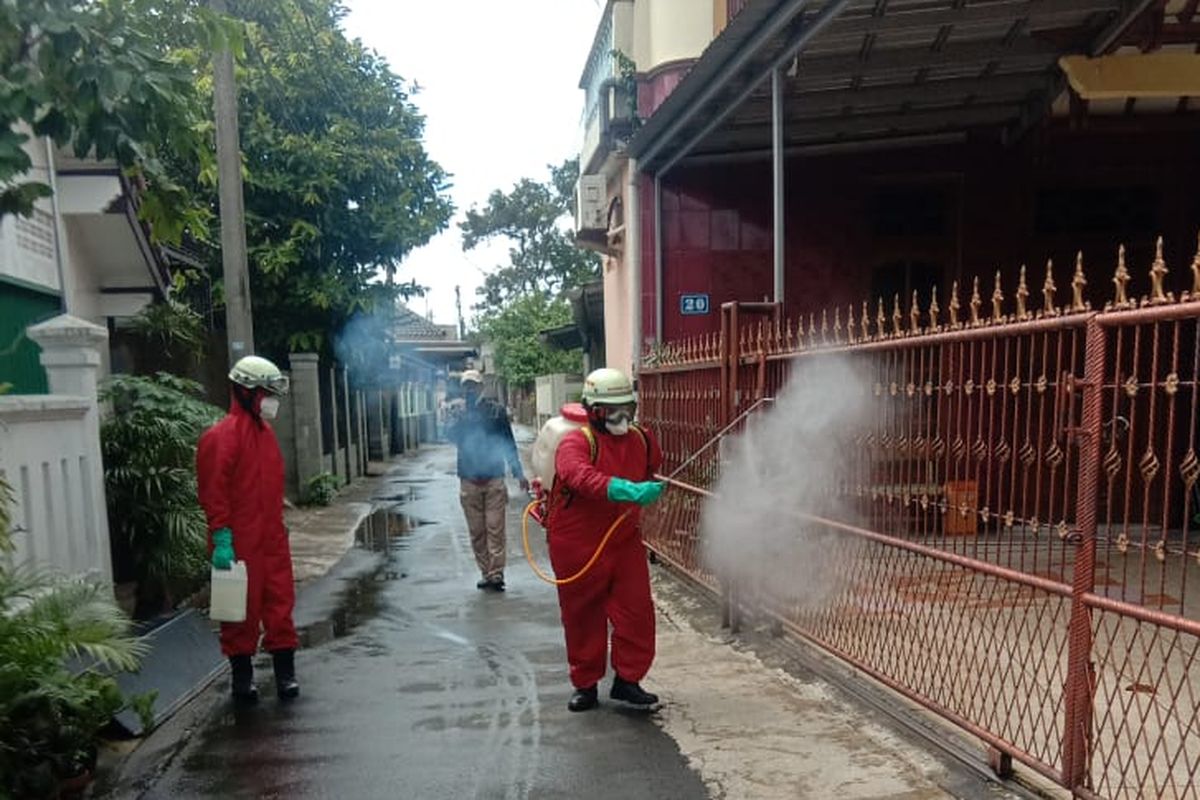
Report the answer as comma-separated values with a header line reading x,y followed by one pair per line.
x,y
402,488
386,530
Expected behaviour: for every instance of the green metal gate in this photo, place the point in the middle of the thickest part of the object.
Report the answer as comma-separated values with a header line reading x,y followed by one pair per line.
x,y
21,307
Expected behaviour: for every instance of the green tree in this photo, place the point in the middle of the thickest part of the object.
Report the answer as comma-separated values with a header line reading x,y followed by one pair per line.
x,y
93,77
520,354
338,185
542,256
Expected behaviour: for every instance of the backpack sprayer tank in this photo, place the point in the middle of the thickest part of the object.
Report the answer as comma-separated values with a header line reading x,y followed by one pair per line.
x,y
571,417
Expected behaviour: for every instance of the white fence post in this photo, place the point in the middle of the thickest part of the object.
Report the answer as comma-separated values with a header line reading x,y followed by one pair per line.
x,y
50,454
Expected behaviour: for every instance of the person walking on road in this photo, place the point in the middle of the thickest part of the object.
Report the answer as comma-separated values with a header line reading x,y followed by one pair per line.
x,y
239,472
480,429
604,475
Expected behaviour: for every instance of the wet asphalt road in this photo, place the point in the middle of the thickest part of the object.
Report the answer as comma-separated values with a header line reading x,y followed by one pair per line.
x,y
417,685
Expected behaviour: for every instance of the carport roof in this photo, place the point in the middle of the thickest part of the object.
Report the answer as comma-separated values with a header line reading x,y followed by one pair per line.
x,y
869,69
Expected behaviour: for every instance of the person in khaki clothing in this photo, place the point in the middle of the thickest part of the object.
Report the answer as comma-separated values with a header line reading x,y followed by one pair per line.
x,y
481,431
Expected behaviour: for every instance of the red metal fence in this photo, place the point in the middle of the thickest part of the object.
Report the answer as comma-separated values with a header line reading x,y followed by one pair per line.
x,y
1019,546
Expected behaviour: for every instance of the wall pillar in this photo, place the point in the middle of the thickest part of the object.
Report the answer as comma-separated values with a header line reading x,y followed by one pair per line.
x,y
306,416
349,459
336,462
374,420
71,355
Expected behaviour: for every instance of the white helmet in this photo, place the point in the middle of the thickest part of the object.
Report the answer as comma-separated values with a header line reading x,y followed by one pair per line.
x,y
607,387
256,372
471,376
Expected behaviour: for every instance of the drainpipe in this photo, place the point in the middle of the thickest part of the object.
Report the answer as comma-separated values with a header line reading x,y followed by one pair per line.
x,y
56,213
777,176
633,258
658,260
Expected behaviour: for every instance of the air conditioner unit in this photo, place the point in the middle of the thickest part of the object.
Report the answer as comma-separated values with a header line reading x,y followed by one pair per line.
x,y
591,207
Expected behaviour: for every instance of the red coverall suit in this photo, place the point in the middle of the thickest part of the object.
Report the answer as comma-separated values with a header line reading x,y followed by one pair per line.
x,y
240,473
617,588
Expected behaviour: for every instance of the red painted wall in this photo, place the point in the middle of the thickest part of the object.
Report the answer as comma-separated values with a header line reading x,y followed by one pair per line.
x,y
717,220
656,86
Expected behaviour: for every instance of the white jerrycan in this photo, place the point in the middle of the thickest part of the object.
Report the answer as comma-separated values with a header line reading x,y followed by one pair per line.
x,y
228,596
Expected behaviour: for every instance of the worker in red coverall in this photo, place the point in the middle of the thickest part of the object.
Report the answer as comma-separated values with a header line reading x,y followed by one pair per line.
x,y
598,477
240,473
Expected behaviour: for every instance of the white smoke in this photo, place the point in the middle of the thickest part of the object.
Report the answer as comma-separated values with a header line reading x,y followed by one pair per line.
x,y
794,457
364,345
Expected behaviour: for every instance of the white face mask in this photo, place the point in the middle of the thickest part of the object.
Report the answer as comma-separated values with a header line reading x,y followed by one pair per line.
x,y
269,407
618,428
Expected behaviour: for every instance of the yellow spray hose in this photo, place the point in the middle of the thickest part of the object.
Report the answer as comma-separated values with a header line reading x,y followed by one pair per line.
x,y
583,570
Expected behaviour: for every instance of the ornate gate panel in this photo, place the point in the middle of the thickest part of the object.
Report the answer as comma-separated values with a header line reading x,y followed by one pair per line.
x,y
1016,545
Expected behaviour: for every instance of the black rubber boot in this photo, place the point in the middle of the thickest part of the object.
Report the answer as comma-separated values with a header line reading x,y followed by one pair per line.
x,y
632,695
285,674
242,684
584,699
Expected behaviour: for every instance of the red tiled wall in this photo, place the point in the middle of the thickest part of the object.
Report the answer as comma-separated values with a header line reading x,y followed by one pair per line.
x,y
654,89
717,221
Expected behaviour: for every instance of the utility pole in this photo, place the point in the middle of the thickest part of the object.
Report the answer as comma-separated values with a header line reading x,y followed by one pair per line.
x,y
462,326
239,323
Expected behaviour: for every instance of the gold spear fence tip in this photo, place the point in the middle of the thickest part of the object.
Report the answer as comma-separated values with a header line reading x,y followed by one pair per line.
x,y
1121,281
1195,274
997,301
976,303
1049,309
881,322
1158,271
954,306
1196,270
1077,285
824,326
914,313
851,330
1022,297
866,321
934,311
837,325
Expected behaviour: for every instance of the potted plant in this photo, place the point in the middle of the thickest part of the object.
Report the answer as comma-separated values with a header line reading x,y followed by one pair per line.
x,y
49,715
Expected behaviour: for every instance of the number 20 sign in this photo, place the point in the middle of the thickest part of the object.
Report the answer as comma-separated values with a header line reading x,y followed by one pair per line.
x,y
693,304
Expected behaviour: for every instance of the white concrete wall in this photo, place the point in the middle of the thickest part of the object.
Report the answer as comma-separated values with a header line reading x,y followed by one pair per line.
x,y
618,320
50,455
618,290
82,278
552,392
670,30
58,515
27,245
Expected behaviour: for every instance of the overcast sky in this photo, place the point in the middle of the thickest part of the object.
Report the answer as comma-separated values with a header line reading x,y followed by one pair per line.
x,y
499,90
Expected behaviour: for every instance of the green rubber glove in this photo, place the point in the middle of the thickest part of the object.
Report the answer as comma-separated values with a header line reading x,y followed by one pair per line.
x,y
222,555
644,493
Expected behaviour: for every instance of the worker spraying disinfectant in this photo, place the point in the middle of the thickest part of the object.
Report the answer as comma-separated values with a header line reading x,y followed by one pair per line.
x,y
603,464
